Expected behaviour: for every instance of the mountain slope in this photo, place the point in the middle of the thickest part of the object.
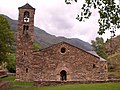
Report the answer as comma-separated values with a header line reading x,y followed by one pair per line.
x,y
46,39
113,51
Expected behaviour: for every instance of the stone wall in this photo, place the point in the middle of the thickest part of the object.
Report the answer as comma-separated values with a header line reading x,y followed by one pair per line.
x,y
4,85
3,73
54,83
59,62
24,45
79,64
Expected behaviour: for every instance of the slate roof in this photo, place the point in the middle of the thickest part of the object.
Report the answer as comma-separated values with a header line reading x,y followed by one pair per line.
x,y
26,6
94,53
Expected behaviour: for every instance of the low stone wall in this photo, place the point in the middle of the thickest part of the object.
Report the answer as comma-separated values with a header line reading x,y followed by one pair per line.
x,y
4,85
113,78
9,74
3,73
54,83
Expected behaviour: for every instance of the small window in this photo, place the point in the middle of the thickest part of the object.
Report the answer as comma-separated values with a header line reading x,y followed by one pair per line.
x,y
94,66
24,53
26,14
26,70
63,50
105,67
25,29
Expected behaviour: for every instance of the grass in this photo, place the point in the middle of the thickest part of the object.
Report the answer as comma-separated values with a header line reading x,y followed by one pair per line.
x,y
29,86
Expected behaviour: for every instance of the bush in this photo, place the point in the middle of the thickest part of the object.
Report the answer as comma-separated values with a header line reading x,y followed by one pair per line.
x,y
11,63
36,46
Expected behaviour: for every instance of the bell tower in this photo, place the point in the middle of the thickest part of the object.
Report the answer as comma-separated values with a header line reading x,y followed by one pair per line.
x,y
24,42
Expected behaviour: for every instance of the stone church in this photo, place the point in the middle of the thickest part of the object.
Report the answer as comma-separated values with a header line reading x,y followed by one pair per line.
x,y
59,62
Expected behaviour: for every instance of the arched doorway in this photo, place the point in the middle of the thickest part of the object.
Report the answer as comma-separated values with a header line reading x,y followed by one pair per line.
x,y
63,75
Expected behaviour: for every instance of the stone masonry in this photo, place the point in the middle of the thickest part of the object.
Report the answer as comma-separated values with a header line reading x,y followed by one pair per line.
x,y
78,64
24,40
59,62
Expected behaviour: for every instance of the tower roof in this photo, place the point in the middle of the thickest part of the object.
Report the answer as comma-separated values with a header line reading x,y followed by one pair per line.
x,y
26,6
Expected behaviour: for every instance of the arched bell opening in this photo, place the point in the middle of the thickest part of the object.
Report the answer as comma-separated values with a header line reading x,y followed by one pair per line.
x,y
26,16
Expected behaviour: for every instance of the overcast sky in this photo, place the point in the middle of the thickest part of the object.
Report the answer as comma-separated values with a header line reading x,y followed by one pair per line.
x,y
57,18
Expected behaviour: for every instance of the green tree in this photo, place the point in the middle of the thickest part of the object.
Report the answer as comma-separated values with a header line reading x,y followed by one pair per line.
x,y
109,13
6,40
36,46
98,45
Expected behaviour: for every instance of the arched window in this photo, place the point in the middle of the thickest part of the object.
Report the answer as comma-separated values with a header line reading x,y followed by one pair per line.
x,y
26,16
25,29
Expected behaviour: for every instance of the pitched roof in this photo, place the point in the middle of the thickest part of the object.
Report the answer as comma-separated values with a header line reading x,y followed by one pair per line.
x,y
90,52
94,53
26,6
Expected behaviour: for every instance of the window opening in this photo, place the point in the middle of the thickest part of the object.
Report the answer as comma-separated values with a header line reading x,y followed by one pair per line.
x,y
26,70
25,29
94,66
63,50
63,75
24,53
105,67
26,16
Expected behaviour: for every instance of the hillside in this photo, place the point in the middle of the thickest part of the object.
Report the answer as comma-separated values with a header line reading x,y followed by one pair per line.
x,y
46,39
113,51
113,45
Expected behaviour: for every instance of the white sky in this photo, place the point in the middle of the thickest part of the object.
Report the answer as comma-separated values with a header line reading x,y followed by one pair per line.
x,y
57,18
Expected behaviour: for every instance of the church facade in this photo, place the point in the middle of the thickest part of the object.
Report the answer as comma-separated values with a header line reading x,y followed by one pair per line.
x,y
59,62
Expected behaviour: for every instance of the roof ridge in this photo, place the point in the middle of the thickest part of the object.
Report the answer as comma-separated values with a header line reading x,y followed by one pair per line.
x,y
26,6
63,42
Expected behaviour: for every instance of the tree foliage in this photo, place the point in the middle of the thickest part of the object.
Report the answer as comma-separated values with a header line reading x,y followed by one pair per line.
x,y
109,13
6,39
99,47
11,63
36,46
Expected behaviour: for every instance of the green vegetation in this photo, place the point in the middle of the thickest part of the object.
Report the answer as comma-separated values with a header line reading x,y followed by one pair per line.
x,y
7,48
114,64
108,10
99,47
36,46
113,59
113,50
11,63
29,86
6,40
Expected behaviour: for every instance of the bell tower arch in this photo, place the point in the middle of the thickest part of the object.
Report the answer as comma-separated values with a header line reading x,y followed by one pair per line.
x,y
24,42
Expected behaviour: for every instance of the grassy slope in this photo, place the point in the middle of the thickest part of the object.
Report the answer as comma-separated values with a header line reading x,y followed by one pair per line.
x,y
113,50
29,86
114,62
